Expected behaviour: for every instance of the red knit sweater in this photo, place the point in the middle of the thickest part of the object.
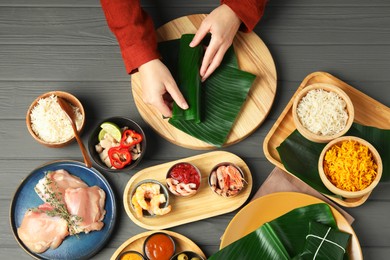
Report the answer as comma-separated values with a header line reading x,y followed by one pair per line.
x,y
134,28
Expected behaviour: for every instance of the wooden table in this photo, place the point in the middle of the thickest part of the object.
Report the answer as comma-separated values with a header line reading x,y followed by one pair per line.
x,y
66,45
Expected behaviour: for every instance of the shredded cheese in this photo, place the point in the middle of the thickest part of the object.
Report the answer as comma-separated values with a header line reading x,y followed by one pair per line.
x,y
50,123
322,112
350,166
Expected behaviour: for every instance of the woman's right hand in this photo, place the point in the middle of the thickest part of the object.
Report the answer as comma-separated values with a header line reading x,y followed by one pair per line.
x,y
159,88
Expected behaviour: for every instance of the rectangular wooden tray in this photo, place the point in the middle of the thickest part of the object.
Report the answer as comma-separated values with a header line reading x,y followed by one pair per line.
x,y
136,243
368,112
204,204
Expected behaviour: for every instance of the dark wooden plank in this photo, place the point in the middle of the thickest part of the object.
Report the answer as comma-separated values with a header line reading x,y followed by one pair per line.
x,y
299,25
111,98
66,45
305,23
102,63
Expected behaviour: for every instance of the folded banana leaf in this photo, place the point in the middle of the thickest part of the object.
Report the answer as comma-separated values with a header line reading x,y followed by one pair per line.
x,y
300,156
324,242
189,81
281,238
222,95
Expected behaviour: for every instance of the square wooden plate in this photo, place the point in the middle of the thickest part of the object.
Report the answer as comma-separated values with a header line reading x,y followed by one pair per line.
x,y
365,108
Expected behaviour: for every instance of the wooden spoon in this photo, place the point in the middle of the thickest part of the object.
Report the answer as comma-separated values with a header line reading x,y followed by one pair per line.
x,y
70,114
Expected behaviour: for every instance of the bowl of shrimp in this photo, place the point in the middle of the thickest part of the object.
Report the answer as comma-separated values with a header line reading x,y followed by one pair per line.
x,y
150,198
226,179
183,179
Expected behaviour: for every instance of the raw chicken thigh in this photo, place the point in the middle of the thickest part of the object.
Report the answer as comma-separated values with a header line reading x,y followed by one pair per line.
x,y
46,227
40,231
88,204
60,180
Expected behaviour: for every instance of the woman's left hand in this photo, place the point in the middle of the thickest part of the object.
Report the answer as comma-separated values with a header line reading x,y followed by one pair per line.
x,y
223,25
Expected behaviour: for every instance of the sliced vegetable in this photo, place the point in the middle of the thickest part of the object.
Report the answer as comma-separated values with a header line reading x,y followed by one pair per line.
x,y
130,138
113,129
101,135
119,157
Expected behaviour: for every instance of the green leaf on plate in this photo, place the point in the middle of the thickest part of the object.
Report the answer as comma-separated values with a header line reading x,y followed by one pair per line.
x,y
300,156
222,102
222,96
189,81
324,242
281,238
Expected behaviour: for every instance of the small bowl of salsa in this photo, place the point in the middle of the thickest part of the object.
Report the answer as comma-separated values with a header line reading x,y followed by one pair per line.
x,y
130,255
159,246
183,179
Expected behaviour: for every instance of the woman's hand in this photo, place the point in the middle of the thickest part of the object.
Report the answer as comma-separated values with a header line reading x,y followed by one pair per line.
x,y
223,25
159,88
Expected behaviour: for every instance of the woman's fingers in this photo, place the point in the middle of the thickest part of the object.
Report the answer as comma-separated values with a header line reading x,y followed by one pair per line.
x,y
203,30
214,63
176,95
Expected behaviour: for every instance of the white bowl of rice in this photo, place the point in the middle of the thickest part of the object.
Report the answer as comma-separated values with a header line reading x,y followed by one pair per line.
x,y
48,123
322,112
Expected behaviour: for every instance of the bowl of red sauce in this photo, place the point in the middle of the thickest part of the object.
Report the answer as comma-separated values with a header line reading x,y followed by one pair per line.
x,y
183,179
159,246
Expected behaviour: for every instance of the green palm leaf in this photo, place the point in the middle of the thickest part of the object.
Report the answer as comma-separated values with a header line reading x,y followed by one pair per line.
x,y
300,156
189,81
324,242
281,238
222,94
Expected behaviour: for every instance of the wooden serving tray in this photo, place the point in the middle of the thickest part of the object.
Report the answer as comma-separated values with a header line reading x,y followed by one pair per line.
x,y
204,204
136,243
253,56
365,109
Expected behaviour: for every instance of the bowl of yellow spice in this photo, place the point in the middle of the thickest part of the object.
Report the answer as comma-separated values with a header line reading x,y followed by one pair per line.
x,y
350,167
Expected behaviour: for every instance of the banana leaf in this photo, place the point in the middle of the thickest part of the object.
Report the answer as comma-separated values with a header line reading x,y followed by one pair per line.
x,y
222,96
281,238
300,156
324,242
222,102
189,81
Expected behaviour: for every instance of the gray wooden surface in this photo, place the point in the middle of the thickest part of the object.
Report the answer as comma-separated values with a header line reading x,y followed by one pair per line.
x,y
66,45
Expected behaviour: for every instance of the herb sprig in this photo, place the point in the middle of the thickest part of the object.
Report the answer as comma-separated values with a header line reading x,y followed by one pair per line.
x,y
55,199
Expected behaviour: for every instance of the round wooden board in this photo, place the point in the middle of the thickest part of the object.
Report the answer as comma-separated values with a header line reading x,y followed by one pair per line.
x,y
253,56
136,243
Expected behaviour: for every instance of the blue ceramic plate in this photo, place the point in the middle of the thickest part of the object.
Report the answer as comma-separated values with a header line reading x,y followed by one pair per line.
x,y
86,245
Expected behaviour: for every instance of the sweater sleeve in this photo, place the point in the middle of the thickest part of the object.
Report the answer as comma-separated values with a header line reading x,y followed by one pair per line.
x,y
134,31
249,11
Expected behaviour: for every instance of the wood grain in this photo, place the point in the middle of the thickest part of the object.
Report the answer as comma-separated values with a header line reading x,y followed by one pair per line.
x,y
204,204
253,56
66,45
136,243
365,107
